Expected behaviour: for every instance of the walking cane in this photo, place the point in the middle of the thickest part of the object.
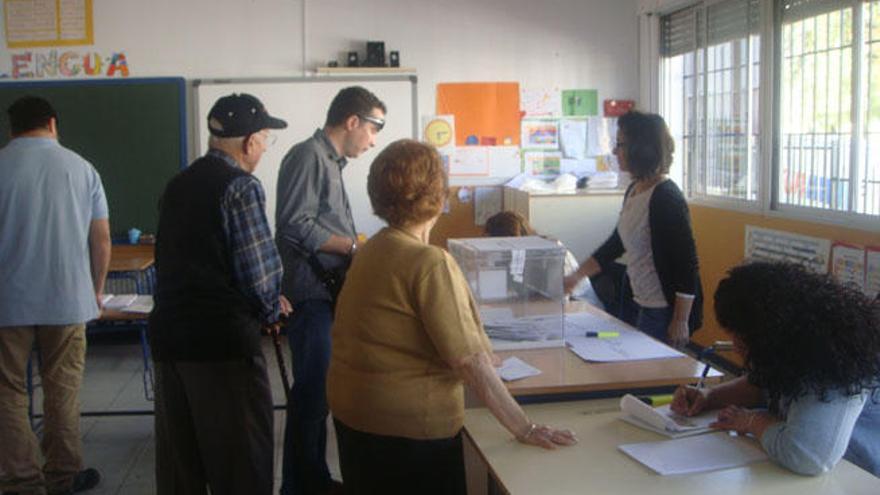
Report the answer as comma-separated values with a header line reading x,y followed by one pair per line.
x,y
282,368
279,356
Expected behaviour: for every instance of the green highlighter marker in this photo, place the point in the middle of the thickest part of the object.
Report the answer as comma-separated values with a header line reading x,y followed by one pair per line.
x,y
656,400
603,335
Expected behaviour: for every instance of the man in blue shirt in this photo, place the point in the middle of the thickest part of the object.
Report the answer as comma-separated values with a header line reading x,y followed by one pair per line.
x,y
54,256
317,238
218,285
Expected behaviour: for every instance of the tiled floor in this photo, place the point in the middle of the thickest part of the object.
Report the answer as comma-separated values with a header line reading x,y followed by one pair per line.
x,y
122,447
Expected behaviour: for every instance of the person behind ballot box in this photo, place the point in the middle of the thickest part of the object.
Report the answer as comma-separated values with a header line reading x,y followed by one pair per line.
x,y
654,231
811,348
511,224
406,339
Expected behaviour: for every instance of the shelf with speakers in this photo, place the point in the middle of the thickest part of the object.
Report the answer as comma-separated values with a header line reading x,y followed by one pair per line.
x,y
342,71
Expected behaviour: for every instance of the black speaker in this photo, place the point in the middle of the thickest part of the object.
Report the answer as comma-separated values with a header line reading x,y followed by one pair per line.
x,y
394,58
352,59
375,54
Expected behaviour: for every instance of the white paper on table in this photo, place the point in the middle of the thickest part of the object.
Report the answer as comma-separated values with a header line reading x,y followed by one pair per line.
x,y
119,301
143,304
514,368
662,420
469,161
696,454
630,345
504,161
573,138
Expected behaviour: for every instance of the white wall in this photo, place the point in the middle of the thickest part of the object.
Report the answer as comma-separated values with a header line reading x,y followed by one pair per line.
x,y
565,43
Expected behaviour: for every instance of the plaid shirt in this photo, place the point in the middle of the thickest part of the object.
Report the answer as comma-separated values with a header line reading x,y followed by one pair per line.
x,y
256,265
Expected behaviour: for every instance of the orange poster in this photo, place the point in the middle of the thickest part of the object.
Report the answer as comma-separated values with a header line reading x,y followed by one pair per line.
x,y
485,113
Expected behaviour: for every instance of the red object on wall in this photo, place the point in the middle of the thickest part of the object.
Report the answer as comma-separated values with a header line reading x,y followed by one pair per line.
x,y
616,108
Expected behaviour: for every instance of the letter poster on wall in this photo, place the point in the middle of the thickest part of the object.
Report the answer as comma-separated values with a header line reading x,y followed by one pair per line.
x,y
41,23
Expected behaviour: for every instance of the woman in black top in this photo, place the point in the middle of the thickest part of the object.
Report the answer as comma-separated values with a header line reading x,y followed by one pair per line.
x,y
654,230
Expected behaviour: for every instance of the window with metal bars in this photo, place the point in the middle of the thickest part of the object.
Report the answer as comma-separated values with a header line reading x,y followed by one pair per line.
x,y
826,102
709,84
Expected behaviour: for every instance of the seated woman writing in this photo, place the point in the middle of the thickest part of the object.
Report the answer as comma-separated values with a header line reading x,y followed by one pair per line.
x,y
812,355
406,339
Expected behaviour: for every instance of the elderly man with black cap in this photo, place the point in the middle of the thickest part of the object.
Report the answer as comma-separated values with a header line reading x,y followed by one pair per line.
x,y
219,279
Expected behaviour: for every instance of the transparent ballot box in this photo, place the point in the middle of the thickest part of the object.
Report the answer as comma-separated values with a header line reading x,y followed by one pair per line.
x,y
517,283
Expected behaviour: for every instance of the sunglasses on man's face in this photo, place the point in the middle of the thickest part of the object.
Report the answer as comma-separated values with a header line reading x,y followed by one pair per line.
x,y
379,123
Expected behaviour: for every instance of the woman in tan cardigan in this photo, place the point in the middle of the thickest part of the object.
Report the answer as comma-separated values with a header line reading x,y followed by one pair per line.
x,y
406,339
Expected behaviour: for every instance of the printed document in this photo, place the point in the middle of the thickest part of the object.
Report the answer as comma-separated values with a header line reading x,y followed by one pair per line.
x,y
696,454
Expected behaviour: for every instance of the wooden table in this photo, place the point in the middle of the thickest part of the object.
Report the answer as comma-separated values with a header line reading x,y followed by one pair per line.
x,y
134,262
595,465
131,258
565,376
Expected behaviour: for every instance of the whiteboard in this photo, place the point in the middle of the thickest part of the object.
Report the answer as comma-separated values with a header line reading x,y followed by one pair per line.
x,y
303,103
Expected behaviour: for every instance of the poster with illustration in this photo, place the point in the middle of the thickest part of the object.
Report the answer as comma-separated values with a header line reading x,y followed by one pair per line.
x,y
540,134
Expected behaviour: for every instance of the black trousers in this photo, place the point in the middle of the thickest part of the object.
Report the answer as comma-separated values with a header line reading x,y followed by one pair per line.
x,y
214,427
378,464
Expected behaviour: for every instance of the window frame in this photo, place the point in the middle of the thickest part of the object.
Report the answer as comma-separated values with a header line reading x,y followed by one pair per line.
x,y
769,108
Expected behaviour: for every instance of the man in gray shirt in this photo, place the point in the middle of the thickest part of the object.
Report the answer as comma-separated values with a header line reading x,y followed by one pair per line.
x,y
316,237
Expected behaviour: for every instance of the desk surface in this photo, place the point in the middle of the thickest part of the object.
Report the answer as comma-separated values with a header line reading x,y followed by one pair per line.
x,y
563,372
595,465
131,258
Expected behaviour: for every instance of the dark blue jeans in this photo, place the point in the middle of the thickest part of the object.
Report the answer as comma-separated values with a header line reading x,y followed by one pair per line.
x,y
304,469
655,322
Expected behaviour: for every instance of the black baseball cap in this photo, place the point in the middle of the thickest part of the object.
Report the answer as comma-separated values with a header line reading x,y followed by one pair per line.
x,y
241,114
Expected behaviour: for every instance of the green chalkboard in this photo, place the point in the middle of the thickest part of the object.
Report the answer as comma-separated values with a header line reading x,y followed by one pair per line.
x,y
132,130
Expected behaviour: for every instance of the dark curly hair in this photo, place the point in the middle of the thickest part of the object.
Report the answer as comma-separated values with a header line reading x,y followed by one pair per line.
x,y
803,332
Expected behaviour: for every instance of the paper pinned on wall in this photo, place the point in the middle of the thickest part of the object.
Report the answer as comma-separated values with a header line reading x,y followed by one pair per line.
x,y
540,102
777,245
439,130
540,134
872,271
504,161
482,110
580,102
573,138
542,163
601,133
848,264
487,202
469,161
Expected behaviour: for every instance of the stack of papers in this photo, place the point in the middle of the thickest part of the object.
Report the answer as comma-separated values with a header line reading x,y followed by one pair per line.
x,y
128,303
696,454
500,323
118,301
514,368
662,420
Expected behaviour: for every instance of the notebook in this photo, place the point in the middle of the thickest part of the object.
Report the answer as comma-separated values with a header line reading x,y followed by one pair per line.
x,y
662,420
